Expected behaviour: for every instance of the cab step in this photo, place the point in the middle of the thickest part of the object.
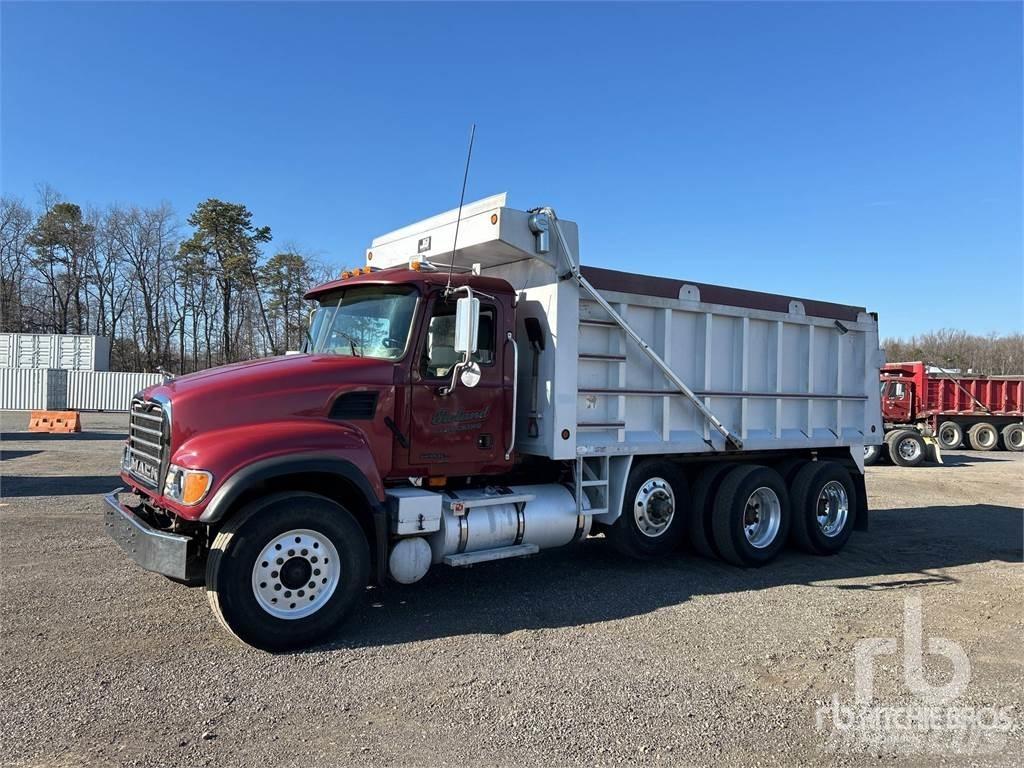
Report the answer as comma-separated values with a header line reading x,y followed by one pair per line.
x,y
487,555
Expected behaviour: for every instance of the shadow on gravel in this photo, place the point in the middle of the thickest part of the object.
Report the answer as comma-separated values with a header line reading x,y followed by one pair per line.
x,y
8,455
20,437
589,583
14,486
953,460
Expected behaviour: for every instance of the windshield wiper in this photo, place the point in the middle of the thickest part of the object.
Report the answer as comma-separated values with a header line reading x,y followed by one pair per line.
x,y
351,342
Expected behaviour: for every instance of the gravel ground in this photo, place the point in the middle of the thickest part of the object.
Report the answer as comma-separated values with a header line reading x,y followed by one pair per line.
x,y
572,657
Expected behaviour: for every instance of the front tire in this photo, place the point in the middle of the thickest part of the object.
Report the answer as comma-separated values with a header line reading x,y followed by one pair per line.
x,y
906,448
285,570
824,506
752,515
655,507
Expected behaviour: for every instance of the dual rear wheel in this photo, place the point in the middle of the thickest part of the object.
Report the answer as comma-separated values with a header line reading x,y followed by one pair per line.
x,y
744,513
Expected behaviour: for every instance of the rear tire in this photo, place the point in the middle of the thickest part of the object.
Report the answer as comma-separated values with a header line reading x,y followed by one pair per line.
x,y
950,435
752,515
702,508
983,436
906,448
654,511
265,559
824,501
1013,437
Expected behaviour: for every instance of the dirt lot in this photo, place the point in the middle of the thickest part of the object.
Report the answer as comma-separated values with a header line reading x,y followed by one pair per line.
x,y
573,657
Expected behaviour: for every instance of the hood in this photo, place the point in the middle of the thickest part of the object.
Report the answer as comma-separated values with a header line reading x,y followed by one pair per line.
x,y
259,391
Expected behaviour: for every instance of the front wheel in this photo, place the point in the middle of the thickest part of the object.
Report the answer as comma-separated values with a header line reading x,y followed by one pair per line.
x,y
654,511
906,448
283,573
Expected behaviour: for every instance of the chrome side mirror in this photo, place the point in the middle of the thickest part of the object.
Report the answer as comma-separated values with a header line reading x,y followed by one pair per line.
x,y
467,325
470,374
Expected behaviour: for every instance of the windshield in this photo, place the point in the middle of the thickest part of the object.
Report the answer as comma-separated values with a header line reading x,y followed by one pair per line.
x,y
363,321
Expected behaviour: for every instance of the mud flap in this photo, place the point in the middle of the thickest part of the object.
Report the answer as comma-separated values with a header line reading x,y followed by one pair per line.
x,y
932,451
860,523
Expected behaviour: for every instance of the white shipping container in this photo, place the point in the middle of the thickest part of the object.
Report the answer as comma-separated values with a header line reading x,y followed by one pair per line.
x,y
106,390
63,351
32,389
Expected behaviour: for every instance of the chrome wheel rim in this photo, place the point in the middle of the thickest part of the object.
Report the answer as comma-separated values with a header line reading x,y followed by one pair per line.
x,y
654,507
296,574
869,451
986,437
949,437
762,516
833,508
909,448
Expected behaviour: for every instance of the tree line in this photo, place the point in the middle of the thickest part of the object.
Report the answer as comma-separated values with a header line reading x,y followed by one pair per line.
x,y
992,355
183,297
171,295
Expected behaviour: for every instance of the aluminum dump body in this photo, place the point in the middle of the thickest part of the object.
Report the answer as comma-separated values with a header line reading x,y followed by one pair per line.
x,y
777,372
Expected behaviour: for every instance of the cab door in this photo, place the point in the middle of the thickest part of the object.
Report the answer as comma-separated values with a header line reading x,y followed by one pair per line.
x,y
464,431
897,401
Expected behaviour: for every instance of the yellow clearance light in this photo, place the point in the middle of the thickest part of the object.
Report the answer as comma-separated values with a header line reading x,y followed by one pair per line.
x,y
494,218
415,265
346,275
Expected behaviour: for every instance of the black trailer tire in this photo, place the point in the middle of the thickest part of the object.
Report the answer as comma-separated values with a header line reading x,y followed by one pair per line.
x,y
872,455
752,515
983,436
787,468
319,543
1013,437
906,447
824,501
655,509
702,508
950,435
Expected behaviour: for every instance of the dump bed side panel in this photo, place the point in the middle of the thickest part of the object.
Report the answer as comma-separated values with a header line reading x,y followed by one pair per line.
x,y
779,380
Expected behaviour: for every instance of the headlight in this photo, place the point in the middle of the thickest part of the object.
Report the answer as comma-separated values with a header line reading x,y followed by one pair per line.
x,y
187,486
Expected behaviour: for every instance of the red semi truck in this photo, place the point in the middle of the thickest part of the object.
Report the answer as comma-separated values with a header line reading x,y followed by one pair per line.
x,y
472,394
919,401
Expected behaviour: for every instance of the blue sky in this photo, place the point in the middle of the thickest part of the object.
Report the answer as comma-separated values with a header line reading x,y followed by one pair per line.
x,y
866,153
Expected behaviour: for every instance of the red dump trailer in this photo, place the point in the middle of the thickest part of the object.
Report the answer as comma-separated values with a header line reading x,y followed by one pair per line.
x,y
980,412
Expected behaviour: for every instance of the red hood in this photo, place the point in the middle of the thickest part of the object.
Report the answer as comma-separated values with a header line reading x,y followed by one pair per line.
x,y
290,386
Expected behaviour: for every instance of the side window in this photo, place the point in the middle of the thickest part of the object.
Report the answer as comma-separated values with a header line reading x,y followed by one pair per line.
x,y
896,390
439,355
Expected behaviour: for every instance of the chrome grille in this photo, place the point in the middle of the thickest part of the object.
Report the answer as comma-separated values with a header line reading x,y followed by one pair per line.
x,y
148,436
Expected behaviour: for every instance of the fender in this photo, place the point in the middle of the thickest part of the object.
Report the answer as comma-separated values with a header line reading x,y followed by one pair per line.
x,y
280,466
235,455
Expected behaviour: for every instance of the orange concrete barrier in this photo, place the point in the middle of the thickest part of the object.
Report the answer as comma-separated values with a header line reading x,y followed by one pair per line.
x,y
55,421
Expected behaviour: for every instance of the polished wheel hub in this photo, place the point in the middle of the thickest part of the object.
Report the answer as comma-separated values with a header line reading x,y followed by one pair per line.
x,y
295,574
654,507
833,508
762,517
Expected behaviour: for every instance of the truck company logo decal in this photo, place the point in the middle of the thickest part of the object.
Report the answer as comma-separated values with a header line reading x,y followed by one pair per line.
x,y
460,420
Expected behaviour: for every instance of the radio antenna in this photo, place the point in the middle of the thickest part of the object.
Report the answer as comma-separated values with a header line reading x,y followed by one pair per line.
x,y
458,217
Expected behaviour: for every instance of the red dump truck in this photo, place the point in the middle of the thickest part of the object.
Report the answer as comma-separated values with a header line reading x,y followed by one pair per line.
x,y
467,399
920,401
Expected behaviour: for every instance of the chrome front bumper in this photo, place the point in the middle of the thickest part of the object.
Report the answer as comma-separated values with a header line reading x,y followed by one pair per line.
x,y
159,551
